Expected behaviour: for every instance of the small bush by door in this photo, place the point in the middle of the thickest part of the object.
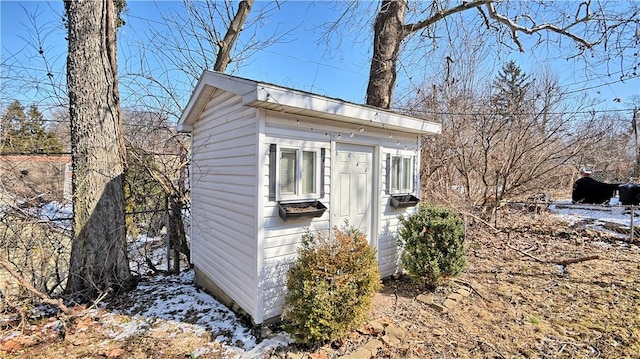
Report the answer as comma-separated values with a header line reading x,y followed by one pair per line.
x,y
331,286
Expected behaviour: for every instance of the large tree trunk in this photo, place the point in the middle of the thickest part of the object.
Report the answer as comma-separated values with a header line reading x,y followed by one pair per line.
x,y
98,255
388,35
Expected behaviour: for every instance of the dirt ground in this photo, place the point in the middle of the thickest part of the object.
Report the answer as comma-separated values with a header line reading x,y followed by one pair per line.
x,y
539,288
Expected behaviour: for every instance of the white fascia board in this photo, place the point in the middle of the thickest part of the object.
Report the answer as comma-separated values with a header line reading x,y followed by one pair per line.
x,y
205,88
277,98
184,128
287,100
194,107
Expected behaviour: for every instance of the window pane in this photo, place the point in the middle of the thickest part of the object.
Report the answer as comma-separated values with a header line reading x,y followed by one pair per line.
x,y
288,171
308,172
406,180
395,173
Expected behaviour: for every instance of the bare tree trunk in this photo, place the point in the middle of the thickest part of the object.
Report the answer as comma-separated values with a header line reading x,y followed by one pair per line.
x,y
388,35
98,255
176,232
224,54
177,204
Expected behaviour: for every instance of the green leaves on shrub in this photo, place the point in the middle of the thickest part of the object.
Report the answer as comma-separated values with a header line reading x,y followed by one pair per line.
x,y
330,288
432,240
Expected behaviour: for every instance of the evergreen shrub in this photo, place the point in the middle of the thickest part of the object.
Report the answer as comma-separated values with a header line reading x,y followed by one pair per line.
x,y
432,242
331,286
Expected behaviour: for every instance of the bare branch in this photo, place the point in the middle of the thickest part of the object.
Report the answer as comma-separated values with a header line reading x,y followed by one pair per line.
x,y
411,28
23,282
515,28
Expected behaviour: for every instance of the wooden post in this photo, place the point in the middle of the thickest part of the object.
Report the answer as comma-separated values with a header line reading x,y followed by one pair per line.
x,y
495,209
168,238
633,210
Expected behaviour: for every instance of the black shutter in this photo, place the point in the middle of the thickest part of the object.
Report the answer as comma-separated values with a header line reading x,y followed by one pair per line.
x,y
322,158
415,174
273,154
388,174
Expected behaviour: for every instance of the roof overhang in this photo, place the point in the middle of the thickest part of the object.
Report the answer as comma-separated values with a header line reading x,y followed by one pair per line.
x,y
281,99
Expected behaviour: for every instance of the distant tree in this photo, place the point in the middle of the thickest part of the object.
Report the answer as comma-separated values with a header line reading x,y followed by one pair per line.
x,y
512,86
26,133
156,178
99,260
512,137
214,28
61,127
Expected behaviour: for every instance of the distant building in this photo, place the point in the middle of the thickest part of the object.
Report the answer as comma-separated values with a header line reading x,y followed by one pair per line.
x,y
36,177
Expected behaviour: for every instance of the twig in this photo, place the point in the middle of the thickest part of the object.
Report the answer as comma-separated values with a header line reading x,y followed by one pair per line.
x,y
492,347
99,299
23,282
527,254
576,260
467,284
153,267
563,262
494,229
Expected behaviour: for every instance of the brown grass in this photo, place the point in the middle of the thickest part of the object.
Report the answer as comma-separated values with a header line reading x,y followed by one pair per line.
x,y
523,306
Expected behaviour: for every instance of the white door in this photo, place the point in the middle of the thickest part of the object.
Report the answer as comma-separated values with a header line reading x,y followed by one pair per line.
x,y
354,176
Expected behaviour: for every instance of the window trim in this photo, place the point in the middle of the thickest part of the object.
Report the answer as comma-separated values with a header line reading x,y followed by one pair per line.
x,y
274,172
407,175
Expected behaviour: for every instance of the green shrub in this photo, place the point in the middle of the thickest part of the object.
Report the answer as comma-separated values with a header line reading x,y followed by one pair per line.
x,y
330,288
432,240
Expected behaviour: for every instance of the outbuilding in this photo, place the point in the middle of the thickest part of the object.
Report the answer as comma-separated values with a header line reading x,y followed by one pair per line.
x,y
269,163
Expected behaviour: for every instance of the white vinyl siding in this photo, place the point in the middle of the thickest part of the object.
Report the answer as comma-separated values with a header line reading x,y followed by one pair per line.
x,y
239,242
282,238
224,153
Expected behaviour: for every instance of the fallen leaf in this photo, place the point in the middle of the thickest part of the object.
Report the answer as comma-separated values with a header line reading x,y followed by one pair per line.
x,y
115,353
10,346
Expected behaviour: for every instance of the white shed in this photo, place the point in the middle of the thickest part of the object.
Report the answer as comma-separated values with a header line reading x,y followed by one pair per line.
x,y
259,149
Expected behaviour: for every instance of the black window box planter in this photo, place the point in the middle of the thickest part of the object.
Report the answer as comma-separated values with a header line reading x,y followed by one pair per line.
x,y
307,209
403,200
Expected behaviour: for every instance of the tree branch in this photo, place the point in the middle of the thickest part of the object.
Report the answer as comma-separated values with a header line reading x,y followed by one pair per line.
x,y
24,283
411,28
515,28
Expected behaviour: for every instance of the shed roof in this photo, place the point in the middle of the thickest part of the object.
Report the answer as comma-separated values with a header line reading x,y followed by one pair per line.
x,y
287,100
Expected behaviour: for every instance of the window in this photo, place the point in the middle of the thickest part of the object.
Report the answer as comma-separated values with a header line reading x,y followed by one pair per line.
x,y
400,174
288,171
308,172
298,172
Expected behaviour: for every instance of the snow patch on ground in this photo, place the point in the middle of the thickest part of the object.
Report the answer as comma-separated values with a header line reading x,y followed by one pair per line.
x,y
176,300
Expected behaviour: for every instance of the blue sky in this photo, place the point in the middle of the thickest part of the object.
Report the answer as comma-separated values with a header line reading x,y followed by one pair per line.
x,y
300,61
297,62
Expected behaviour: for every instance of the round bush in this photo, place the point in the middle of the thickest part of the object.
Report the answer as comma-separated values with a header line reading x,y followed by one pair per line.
x,y
432,242
330,288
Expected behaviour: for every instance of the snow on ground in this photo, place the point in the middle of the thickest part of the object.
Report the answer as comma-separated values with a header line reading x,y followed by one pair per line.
x,y
614,212
597,217
175,300
56,211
